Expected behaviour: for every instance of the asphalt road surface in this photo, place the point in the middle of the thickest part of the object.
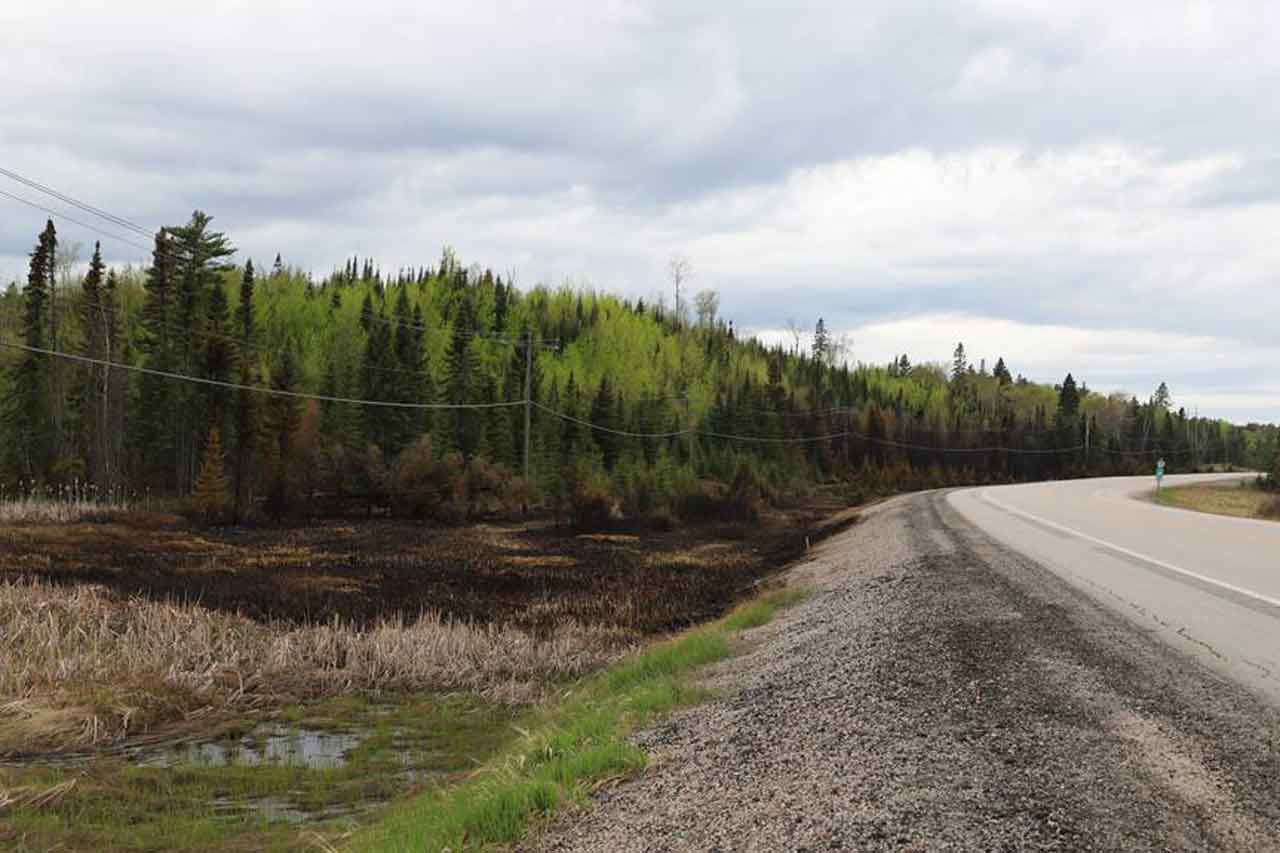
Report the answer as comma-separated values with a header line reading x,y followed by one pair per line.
x,y
942,689
1208,585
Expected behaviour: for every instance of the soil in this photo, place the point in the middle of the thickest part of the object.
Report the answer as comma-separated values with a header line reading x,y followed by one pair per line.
x,y
529,575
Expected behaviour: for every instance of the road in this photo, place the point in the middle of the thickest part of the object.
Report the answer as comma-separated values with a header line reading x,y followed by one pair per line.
x,y
1208,585
944,689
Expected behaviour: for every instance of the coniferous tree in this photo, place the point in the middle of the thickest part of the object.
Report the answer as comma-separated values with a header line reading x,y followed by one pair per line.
x,y
201,257
246,402
29,413
153,434
378,381
285,415
463,369
408,379
603,409
1001,373
218,358
210,492
821,343
96,318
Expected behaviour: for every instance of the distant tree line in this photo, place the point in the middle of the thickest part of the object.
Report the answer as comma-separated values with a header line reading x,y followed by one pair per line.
x,y
636,408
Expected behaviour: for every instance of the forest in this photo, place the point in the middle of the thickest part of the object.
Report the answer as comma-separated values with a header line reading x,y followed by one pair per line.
x,y
445,391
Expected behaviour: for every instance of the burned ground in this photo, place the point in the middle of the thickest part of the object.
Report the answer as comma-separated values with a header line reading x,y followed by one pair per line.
x,y
530,576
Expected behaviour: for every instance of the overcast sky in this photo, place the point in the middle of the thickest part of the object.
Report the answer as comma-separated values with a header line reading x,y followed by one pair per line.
x,y
1091,186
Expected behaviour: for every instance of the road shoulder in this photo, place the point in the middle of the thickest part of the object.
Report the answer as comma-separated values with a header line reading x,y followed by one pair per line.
x,y
939,690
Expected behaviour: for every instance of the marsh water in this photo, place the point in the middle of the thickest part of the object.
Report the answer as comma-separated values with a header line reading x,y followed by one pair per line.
x,y
316,764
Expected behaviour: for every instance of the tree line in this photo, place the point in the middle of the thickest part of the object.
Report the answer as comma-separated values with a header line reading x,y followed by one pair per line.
x,y
635,406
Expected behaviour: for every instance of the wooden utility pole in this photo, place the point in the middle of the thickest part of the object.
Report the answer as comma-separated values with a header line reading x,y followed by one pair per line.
x,y
1086,443
688,425
528,403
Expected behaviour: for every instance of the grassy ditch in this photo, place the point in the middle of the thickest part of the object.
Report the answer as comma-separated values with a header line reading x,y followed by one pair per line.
x,y
1241,500
572,745
176,798
426,772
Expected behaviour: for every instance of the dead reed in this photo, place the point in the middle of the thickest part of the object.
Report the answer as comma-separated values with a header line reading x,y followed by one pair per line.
x,y
79,665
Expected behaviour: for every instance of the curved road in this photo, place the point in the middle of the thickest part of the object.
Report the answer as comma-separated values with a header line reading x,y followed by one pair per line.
x,y
948,686
1207,584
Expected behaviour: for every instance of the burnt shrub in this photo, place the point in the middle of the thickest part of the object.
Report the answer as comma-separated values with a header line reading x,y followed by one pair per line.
x,y
700,500
591,502
429,486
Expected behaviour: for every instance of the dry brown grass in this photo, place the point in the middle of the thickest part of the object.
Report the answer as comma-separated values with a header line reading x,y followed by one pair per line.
x,y
1243,500
80,666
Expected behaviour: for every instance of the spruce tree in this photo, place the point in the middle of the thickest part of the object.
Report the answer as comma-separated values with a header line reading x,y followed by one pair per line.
x,y
201,258
246,404
378,383
29,413
95,322
463,369
603,409
210,493
407,377
1001,373
284,418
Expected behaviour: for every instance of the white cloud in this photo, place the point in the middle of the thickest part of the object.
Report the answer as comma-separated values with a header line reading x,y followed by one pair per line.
x,y
1074,166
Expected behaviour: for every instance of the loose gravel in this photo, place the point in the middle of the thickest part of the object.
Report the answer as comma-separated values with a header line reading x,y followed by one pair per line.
x,y
942,692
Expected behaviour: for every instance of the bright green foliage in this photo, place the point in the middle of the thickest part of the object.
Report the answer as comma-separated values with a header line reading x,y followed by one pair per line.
x,y
455,335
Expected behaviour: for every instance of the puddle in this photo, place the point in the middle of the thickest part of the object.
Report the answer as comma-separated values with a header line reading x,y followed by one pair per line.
x,y
267,745
337,764
313,749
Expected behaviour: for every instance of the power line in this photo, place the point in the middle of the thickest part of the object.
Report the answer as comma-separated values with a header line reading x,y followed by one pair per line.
x,y
166,253
562,415
600,428
62,215
763,439
236,386
87,208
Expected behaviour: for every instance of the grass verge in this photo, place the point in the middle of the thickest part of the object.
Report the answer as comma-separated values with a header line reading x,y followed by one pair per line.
x,y
574,744
1241,500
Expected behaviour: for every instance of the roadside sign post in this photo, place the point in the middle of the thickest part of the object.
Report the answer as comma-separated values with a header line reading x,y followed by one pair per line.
x,y
1159,472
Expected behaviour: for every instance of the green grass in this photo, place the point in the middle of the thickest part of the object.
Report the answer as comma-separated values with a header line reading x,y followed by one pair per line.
x,y
118,806
487,773
574,744
1242,500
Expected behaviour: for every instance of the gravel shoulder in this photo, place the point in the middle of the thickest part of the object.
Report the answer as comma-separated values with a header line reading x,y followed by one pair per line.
x,y
939,691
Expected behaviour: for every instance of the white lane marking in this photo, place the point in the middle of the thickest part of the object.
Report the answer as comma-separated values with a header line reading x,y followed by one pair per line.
x,y
1239,590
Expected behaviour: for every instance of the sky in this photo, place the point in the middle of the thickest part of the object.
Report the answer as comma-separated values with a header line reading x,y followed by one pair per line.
x,y
1084,186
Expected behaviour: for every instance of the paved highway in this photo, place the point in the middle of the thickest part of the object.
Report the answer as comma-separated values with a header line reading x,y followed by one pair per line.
x,y
1206,584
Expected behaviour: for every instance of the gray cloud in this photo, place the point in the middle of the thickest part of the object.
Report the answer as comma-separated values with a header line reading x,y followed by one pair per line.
x,y
1089,165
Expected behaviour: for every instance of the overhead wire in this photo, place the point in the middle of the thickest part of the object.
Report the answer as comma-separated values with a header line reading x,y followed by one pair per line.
x,y
74,202
236,386
758,439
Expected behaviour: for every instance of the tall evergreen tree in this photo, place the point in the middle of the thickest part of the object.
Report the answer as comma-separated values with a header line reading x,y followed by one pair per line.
x,y
408,377
29,413
284,417
95,320
603,409
246,403
201,257
463,367
378,381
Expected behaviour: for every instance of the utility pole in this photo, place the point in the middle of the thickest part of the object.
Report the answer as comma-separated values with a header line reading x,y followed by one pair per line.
x,y
1086,444
528,408
688,425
